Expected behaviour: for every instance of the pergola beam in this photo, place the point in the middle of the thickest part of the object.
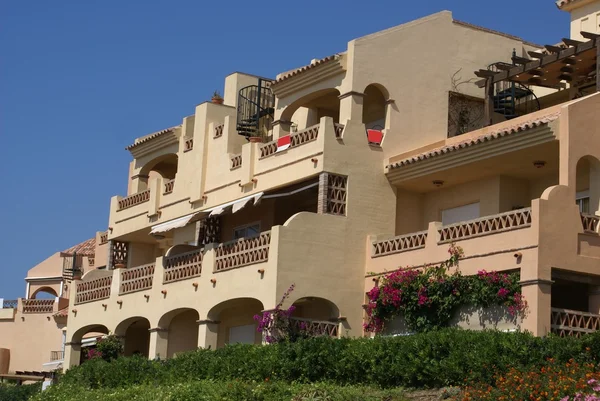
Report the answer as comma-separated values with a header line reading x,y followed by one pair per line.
x,y
571,42
589,35
537,55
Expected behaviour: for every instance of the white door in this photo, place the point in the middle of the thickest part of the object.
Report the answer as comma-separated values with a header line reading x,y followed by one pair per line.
x,y
242,334
461,213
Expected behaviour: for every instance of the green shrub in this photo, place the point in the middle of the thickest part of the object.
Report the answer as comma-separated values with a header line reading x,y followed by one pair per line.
x,y
10,392
432,359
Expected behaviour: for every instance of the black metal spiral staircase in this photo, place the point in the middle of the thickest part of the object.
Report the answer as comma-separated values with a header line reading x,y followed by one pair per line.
x,y
512,99
256,109
72,267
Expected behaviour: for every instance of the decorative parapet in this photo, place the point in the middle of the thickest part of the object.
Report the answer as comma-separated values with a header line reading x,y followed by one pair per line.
x,y
571,323
135,199
591,223
399,244
93,290
189,145
137,278
103,238
219,130
332,194
296,139
236,161
38,305
486,225
242,252
10,303
316,327
183,266
169,185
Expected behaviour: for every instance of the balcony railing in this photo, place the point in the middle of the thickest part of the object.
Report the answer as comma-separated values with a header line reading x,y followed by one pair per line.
x,y
135,199
136,278
571,323
93,290
183,266
38,305
57,356
486,225
189,145
219,131
316,327
10,304
296,139
399,244
236,161
104,238
590,223
169,186
339,129
242,252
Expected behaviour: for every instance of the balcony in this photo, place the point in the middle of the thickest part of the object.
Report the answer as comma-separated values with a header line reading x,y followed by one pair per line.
x,y
572,323
56,356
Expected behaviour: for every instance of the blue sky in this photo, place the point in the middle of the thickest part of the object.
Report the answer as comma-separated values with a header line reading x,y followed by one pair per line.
x,y
79,80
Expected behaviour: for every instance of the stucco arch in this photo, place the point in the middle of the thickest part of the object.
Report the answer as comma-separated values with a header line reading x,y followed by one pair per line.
x,y
235,318
315,308
374,113
181,327
73,355
92,328
135,334
324,102
44,289
164,165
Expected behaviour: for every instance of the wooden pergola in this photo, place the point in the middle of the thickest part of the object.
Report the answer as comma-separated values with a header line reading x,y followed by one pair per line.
x,y
573,62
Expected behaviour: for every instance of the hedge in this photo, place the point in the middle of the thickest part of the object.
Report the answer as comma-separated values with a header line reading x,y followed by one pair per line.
x,y
427,360
11,392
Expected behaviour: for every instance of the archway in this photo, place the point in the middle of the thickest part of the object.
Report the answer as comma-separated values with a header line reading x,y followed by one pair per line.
x,y
181,327
374,107
587,185
318,316
44,293
236,322
83,338
136,336
164,166
309,109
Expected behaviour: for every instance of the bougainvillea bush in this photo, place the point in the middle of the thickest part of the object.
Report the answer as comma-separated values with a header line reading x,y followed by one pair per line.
x,y
571,381
107,348
428,298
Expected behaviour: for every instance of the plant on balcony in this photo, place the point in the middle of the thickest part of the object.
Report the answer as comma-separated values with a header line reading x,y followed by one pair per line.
x,y
217,98
277,325
429,298
107,348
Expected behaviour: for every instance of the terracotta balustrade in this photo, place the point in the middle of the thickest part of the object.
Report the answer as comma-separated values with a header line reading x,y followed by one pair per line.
x,y
93,290
486,225
104,238
590,223
135,199
316,327
38,305
399,244
189,145
296,139
169,186
339,129
219,130
236,161
572,323
242,252
137,278
183,266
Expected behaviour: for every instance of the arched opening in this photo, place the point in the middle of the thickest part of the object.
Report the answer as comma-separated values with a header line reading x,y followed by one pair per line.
x,y
181,326
318,316
309,109
236,322
83,340
164,166
587,186
44,293
374,107
136,336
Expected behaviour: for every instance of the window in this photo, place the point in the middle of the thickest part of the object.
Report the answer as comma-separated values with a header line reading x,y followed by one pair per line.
x,y
583,201
249,230
461,213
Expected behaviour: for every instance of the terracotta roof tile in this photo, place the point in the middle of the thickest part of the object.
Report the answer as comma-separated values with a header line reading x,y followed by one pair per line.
x,y
562,3
307,67
490,136
64,312
86,248
151,136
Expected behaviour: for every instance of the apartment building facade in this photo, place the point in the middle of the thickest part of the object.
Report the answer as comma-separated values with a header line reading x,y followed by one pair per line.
x,y
369,160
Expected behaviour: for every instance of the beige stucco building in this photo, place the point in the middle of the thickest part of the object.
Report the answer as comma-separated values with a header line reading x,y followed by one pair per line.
x,y
370,160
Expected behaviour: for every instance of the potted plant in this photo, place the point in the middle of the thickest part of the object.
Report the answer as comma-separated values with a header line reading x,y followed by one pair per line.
x,y
217,98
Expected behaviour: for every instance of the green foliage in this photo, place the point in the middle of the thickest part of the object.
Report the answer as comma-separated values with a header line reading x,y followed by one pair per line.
x,y
433,359
429,298
11,392
210,390
109,348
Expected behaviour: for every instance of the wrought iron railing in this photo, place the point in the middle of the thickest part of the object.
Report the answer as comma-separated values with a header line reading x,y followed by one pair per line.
x,y
572,323
136,278
590,223
242,252
486,225
10,304
135,199
38,305
57,356
399,244
183,266
93,290
256,108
